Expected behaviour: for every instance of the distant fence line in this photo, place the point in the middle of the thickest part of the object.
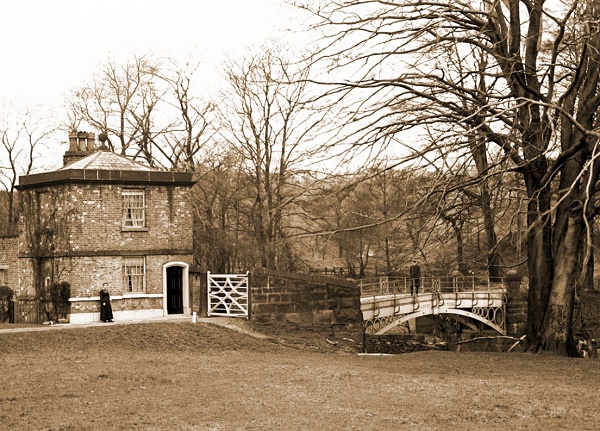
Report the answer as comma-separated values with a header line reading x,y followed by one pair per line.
x,y
339,270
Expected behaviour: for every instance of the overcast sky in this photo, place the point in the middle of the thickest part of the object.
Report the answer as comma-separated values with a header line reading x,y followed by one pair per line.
x,y
50,46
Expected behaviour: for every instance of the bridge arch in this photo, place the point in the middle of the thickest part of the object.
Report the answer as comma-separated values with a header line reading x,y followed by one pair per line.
x,y
496,322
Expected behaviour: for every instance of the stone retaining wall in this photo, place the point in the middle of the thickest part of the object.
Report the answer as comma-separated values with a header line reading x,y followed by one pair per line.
x,y
516,316
396,343
307,301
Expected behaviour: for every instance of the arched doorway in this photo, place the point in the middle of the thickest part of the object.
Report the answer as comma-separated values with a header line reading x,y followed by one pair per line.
x,y
174,290
176,293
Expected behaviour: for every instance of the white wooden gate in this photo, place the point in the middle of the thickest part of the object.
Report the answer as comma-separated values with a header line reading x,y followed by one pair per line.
x,y
227,294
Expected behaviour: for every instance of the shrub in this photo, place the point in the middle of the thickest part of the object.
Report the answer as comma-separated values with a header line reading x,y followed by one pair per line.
x,y
54,299
6,293
6,303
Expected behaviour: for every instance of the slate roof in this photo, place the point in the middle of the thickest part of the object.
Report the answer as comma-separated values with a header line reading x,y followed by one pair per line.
x,y
106,161
106,167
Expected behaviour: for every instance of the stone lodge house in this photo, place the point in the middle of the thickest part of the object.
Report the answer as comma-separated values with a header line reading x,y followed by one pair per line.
x,y
104,220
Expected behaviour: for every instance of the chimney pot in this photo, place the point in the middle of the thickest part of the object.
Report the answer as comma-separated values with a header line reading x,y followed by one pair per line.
x,y
73,141
91,142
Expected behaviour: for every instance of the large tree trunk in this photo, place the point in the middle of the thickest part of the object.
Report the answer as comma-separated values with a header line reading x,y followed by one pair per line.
x,y
557,335
539,258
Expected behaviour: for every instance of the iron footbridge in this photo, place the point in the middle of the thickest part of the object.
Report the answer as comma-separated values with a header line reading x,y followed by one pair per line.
x,y
388,303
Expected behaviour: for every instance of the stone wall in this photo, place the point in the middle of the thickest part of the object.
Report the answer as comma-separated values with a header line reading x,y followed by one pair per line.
x,y
516,304
306,301
396,343
516,316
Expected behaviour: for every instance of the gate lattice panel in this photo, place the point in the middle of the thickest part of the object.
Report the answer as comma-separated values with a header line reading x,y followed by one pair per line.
x,y
227,294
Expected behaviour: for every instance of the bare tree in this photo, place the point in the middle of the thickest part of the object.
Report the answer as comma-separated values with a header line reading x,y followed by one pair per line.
x,y
150,110
323,214
22,133
527,88
194,130
123,100
265,117
219,237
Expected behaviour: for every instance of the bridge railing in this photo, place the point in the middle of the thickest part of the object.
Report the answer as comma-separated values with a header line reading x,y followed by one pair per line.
x,y
401,285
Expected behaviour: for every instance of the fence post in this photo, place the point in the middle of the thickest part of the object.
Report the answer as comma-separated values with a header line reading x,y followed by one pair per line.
x,y
203,295
249,293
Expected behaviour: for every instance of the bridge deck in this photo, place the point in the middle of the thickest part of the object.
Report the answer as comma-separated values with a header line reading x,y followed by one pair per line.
x,y
401,303
387,302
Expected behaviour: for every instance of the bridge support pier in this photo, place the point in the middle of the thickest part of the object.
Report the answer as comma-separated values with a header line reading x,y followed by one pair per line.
x,y
516,305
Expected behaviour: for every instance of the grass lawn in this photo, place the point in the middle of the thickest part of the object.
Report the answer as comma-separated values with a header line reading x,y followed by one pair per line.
x,y
184,376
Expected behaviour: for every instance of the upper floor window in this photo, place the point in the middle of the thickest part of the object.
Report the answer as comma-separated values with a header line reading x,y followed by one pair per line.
x,y
134,209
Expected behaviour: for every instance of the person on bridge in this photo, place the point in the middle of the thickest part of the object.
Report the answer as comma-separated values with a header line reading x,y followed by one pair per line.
x,y
415,277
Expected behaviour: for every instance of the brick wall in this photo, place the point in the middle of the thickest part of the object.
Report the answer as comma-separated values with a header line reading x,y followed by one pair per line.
x,y
306,301
93,216
9,246
87,274
91,241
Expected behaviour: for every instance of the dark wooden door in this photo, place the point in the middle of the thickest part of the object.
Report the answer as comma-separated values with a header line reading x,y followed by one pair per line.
x,y
174,290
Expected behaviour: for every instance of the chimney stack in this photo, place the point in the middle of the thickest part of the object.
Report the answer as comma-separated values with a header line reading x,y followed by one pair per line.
x,y
81,144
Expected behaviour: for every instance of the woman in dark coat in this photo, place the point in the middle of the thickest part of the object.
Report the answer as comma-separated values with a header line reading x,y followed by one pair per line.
x,y
106,314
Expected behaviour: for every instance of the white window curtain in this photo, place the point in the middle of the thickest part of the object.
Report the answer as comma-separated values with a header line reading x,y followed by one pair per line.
x,y
134,211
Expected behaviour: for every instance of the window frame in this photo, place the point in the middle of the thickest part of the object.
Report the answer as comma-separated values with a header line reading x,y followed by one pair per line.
x,y
128,197
130,262
4,275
